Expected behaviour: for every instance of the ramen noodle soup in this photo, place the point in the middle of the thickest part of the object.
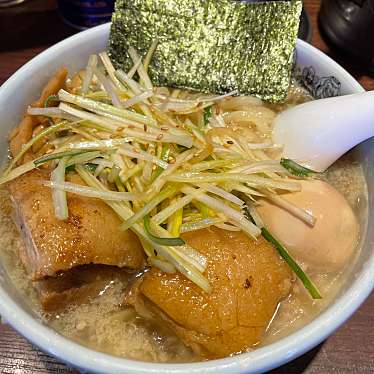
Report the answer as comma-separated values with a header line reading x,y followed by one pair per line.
x,y
162,225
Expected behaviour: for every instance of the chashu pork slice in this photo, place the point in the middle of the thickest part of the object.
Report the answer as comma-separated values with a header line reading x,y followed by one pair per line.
x,y
248,278
78,286
90,235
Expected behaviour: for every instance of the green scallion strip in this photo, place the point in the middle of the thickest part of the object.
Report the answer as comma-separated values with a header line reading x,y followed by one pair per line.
x,y
58,155
173,242
82,158
48,100
207,114
307,282
51,99
296,169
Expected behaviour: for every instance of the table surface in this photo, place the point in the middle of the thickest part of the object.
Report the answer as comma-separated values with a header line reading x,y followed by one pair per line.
x,y
349,350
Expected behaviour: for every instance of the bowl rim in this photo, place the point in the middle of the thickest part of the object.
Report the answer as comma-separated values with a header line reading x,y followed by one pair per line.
x,y
263,358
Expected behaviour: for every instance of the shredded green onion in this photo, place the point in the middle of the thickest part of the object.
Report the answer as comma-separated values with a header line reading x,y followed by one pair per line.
x,y
50,99
58,155
207,114
162,241
306,281
164,162
164,157
296,169
32,141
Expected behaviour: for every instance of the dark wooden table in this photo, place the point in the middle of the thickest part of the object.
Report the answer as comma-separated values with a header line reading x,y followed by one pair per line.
x,y
349,350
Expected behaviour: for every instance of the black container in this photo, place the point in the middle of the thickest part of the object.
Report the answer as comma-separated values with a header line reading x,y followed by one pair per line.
x,y
349,26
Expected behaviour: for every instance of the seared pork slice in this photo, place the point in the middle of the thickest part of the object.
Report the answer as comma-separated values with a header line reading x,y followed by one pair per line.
x,y
90,235
78,286
23,132
249,279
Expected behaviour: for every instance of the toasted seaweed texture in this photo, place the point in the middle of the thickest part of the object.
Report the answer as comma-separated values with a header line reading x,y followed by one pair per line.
x,y
210,45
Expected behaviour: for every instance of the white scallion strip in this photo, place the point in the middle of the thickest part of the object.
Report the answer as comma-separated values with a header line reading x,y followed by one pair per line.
x,y
102,144
109,87
141,70
148,57
83,158
247,190
162,178
15,173
129,173
101,161
185,251
50,112
164,214
164,266
92,192
92,63
110,69
255,215
112,125
94,106
137,99
218,205
167,192
118,114
134,68
300,213
221,192
201,224
133,152
58,196
251,180
131,83
260,167
206,165
184,264
225,226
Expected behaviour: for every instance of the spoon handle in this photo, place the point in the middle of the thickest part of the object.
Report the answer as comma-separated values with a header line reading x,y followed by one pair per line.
x,y
315,134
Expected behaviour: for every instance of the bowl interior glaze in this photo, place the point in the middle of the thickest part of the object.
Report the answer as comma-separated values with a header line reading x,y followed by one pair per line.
x,y
322,77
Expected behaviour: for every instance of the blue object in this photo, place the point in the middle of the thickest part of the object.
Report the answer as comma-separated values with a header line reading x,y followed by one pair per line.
x,y
83,14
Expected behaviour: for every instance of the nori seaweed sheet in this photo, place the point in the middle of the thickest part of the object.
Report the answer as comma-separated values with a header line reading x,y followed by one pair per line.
x,y
210,45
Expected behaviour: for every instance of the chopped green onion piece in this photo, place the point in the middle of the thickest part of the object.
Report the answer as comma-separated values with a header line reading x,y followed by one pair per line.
x,y
173,242
307,282
296,169
55,156
49,99
207,114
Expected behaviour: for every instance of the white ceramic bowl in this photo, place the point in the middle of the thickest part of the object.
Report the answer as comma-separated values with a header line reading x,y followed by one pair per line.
x,y
315,70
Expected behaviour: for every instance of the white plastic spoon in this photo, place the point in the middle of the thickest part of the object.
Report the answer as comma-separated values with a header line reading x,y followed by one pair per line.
x,y
317,133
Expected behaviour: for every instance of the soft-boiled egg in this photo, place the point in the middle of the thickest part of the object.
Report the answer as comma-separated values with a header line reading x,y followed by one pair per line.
x,y
327,245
